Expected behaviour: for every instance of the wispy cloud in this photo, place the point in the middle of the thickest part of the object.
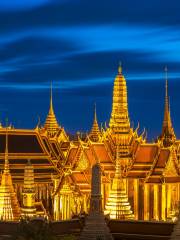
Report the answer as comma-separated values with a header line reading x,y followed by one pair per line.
x,y
15,5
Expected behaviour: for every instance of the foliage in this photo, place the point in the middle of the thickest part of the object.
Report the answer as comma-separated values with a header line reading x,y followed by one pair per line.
x,y
38,229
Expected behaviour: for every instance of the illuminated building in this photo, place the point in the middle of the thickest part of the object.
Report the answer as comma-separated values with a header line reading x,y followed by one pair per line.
x,y
146,175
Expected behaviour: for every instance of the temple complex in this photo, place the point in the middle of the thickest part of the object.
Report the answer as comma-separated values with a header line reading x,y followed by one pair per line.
x,y
51,173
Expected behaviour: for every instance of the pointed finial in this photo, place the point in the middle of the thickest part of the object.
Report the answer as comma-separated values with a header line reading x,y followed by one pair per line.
x,y
166,79
120,68
95,114
51,101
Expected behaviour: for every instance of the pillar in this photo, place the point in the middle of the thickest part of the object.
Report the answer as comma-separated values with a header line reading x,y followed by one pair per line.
x,y
146,201
136,198
156,202
169,192
163,203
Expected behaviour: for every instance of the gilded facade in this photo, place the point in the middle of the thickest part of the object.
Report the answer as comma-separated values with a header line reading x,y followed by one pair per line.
x,y
51,174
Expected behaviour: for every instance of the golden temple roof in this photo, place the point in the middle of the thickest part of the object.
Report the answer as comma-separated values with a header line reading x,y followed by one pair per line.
x,y
29,144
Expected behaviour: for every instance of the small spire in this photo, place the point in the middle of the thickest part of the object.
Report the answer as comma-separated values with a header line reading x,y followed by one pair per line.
x,y
120,68
95,132
51,124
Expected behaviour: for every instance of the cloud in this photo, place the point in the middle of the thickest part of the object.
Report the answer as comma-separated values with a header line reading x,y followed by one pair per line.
x,y
15,5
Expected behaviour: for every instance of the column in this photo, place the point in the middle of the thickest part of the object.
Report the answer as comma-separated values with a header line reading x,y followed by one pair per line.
x,y
136,198
156,203
146,201
169,200
163,203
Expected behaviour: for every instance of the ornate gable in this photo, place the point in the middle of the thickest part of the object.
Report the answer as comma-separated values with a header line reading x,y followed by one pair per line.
x,y
83,163
171,169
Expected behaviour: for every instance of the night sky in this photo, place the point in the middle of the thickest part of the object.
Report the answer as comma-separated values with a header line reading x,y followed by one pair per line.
x,y
78,45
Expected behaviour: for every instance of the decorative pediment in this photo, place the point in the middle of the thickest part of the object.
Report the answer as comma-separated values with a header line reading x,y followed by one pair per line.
x,y
170,169
83,163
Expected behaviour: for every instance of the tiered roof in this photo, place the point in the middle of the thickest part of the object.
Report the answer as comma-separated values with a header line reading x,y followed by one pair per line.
x,y
30,144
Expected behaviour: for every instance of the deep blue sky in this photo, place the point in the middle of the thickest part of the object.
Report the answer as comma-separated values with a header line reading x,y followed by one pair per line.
x,y
77,45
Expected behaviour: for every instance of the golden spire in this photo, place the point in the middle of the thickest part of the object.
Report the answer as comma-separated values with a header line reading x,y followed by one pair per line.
x,y
9,206
119,121
118,206
51,124
94,134
167,135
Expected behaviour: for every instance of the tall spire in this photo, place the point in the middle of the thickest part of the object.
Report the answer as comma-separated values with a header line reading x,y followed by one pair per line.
x,y
119,121
9,206
94,134
51,124
167,135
